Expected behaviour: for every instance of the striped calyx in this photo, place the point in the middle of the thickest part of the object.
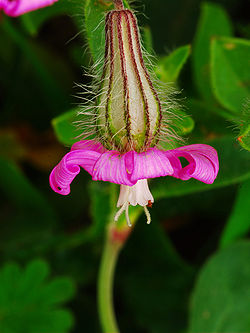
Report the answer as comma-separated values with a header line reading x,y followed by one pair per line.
x,y
129,110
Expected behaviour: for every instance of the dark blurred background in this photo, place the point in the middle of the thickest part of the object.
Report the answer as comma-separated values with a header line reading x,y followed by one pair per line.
x,y
39,69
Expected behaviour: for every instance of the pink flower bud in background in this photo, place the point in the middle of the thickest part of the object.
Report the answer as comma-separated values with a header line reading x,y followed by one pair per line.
x,y
20,7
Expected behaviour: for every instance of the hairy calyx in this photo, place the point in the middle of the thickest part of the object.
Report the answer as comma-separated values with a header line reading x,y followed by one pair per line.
x,y
129,115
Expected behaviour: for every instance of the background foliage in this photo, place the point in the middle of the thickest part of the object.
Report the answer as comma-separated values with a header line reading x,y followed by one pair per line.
x,y
189,271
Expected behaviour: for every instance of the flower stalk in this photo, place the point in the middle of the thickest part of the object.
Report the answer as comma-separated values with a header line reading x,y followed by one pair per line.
x,y
115,239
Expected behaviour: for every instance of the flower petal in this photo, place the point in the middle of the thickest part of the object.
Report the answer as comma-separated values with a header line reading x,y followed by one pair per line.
x,y
19,7
150,164
64,173
203,162
89,145
111,166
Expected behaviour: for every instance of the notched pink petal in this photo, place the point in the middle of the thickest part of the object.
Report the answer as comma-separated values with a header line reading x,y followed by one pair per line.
x,y
111,167
203,162
69,167
150,164
20,7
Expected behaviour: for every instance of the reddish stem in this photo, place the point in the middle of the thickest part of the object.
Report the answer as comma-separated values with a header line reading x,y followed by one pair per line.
x,y
118,4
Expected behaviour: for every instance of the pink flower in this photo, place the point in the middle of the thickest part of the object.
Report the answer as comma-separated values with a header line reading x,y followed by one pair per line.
x,y
20,7
131,169
130,120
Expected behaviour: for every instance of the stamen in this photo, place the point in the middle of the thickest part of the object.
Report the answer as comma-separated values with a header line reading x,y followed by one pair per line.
x,y
120,211
147,214
127,216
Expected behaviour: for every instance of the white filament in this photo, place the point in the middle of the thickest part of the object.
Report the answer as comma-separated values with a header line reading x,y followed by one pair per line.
x,y
138,194
147,215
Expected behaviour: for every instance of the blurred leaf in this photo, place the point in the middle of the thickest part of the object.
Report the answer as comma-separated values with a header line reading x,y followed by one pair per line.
x,y
29,24
169,67
238,224
244,137
147,39
234,168
70,126
182,123
65,127
244,127
29,218
28,303
157,293
57,291
221,296
10,148
53,91
208,115
22,193
211,122
33,21
94,13
230,71
213,22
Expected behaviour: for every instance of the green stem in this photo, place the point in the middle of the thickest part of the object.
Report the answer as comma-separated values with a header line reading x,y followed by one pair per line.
x,y
105,285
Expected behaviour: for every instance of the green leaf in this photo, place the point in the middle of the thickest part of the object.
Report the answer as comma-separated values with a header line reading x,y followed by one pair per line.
x,y
209,115
22,193
34,20
53,91
244,137
10,147
147,39
182,123
244,127
70,126
238,224
29,303
31,218
213,22
34,275
94,13
234,168
230,71
57,291
169,67
65,127
221,296
28,24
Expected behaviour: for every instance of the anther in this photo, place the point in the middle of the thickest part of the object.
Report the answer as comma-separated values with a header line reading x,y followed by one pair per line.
x,y
150,204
